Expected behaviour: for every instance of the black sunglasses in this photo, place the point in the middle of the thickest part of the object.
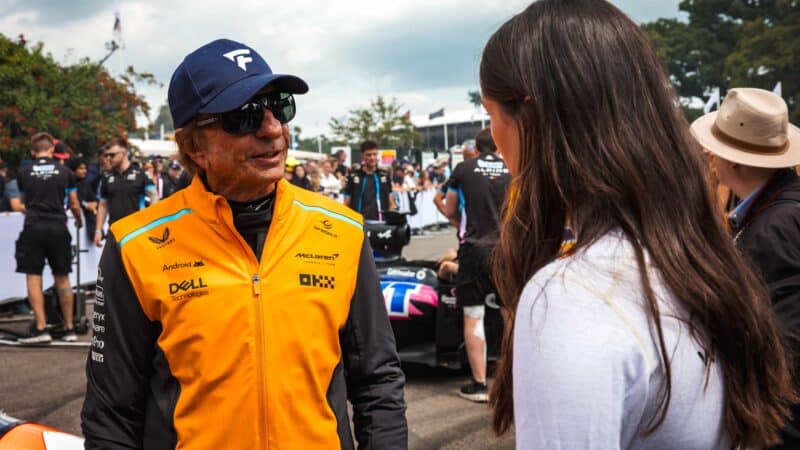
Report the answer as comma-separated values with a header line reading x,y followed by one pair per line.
x,y
110,154
248,117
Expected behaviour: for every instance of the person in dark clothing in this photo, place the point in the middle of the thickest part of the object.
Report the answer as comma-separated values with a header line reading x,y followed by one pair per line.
x,y
4,204
45,236
87,195
368,189
753,150
300,178
123,189
478,186
11,199
342,171
175,178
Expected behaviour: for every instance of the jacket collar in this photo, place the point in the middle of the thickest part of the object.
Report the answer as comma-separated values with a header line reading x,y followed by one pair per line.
x,y
783,184
215,208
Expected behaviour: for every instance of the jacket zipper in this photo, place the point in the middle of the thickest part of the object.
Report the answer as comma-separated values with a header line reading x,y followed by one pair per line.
x,y
259,346
262,389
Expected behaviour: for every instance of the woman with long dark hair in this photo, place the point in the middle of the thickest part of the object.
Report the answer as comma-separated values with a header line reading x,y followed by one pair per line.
x,y
649,332
299,177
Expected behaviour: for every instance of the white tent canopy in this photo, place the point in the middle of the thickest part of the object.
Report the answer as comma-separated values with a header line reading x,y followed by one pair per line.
x,y
155,147
167,149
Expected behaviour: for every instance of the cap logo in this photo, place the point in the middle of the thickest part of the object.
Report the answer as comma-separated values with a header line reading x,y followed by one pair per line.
x,y
238,57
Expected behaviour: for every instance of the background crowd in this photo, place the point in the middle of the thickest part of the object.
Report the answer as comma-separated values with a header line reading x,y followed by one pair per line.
x,y
166,174
329,176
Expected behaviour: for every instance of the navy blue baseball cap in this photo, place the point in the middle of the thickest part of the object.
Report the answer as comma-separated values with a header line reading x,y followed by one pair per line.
x,y
221,76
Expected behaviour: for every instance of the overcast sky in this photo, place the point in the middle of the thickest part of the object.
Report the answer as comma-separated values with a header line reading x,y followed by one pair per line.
x,y
423,52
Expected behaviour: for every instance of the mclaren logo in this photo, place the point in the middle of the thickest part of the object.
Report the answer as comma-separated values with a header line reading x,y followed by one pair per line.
x,y
238,56
317,257
162,241
314,280
187,289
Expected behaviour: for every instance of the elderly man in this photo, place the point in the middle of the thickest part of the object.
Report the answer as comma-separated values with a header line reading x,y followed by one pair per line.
x,y
241,312
754,150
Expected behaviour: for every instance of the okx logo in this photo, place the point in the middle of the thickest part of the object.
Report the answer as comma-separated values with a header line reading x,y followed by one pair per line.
x,y
162,241
314,280
187,289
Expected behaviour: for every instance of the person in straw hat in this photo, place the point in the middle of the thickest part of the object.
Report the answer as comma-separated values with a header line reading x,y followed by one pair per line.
x,y
753,149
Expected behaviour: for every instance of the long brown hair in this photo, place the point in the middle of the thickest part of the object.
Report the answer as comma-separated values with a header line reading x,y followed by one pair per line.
x,y
602,139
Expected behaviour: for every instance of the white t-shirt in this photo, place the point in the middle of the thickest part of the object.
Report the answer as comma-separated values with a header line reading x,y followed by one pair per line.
x,y
330,184
587,370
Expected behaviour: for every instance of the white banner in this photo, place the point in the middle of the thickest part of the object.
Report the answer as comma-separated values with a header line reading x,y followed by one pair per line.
x,y
712,101
13,284
427,214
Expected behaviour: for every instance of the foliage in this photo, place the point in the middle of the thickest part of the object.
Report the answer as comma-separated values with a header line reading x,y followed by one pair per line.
x,y
80,104
313,144
730,44
164,118
381,121
768,52
474,97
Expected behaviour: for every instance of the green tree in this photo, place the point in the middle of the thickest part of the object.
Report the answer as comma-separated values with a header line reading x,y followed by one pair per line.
x,y
164,118
313,144
474,97
296,134
80,104
729,44
768,51
381,121
693,56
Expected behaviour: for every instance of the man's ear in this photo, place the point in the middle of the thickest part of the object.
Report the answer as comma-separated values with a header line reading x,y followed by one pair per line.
x,y
195,152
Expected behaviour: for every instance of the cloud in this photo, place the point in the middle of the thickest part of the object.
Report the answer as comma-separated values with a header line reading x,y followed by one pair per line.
x,y
53,13
425,53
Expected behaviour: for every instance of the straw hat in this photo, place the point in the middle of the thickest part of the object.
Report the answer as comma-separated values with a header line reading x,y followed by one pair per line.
x,y
750,128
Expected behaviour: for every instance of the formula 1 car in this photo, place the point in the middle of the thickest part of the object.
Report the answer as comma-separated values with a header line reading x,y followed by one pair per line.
x,y
427,324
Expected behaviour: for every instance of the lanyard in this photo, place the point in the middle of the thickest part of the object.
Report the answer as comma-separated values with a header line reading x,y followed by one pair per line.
x,y
377,194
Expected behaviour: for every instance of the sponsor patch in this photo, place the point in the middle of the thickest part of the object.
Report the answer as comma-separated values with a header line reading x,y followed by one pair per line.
x,y
182,265
162,241
316,280
188,289
326,227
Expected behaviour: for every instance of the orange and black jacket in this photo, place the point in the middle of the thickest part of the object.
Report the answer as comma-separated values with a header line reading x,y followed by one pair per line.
x,y
199,345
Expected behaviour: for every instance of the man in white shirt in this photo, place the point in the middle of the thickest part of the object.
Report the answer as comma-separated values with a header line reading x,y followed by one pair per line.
x,y
330,183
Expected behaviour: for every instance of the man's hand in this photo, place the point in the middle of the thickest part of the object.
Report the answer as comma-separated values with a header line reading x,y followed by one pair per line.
x,y
98,238
78,221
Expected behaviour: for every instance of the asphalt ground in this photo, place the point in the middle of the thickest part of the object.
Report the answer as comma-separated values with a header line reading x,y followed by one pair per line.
x,y
47,385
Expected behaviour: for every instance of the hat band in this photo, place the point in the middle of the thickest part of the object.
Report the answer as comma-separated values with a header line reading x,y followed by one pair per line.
x,y
746,146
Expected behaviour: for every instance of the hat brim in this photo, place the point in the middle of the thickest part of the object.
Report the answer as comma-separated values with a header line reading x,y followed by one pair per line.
x,y
61,155
789,157
238,93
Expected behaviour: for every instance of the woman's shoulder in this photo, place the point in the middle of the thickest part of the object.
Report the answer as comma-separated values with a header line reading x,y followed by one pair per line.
x,y
593,296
